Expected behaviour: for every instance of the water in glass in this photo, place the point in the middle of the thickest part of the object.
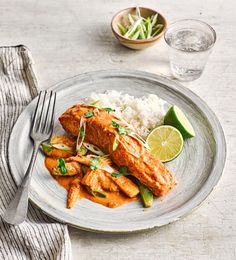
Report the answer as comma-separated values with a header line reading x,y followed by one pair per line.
x,y
190,44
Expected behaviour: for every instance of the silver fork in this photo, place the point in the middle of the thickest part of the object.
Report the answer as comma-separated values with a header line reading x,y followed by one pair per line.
x,y
41,130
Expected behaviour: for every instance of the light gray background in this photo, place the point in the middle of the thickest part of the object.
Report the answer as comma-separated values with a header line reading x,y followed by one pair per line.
x,y
70,37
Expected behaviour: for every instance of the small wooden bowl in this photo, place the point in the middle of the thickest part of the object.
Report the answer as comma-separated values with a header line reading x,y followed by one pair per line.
x,y
137,44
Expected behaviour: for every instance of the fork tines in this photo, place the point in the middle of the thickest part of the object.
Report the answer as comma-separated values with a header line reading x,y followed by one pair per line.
x,y
43,119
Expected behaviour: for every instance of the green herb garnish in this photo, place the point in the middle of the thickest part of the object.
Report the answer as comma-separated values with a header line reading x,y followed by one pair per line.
x,y
98,193
88,114
94,164
121,130
62,166
46,147
108,109
123,171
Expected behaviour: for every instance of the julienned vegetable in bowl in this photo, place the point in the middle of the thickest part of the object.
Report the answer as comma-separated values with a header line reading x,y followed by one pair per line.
x,y
138,27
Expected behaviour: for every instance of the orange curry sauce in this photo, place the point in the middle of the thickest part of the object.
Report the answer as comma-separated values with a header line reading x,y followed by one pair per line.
x,y
112,200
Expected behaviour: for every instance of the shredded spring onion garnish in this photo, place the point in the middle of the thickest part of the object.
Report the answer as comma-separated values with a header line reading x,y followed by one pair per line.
x,y
93,149
139,139
82,129
122,122
91,156
48,147
137,155
126,129
132,132
136,27
62,147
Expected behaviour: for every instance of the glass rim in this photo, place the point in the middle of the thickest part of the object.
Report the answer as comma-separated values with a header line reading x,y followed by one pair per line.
x,y
192,20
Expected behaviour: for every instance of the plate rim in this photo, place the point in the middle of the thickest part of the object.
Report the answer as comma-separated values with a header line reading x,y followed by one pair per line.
x,y
217,168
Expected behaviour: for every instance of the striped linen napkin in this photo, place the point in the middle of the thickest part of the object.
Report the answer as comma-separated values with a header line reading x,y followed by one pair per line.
x,y
39,237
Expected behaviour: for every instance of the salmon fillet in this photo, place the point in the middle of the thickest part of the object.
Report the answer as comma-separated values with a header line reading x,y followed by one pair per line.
x,y
130,152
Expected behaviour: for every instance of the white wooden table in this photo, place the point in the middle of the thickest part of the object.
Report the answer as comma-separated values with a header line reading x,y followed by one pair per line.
x,y
71,37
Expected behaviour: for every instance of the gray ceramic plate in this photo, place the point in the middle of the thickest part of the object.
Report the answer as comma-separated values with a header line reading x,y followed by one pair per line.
x,y
197,169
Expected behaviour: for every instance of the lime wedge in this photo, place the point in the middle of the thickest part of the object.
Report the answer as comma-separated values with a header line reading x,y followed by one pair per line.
x,y
165,142
177,118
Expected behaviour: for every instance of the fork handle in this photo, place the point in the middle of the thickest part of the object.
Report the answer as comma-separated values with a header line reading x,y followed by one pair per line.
x,y
17,210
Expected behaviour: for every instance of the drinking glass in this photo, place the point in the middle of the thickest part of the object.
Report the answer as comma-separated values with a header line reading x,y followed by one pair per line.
x,y
190,43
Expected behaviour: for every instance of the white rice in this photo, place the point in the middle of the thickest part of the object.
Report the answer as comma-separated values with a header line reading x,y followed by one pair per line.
x,y
144,113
